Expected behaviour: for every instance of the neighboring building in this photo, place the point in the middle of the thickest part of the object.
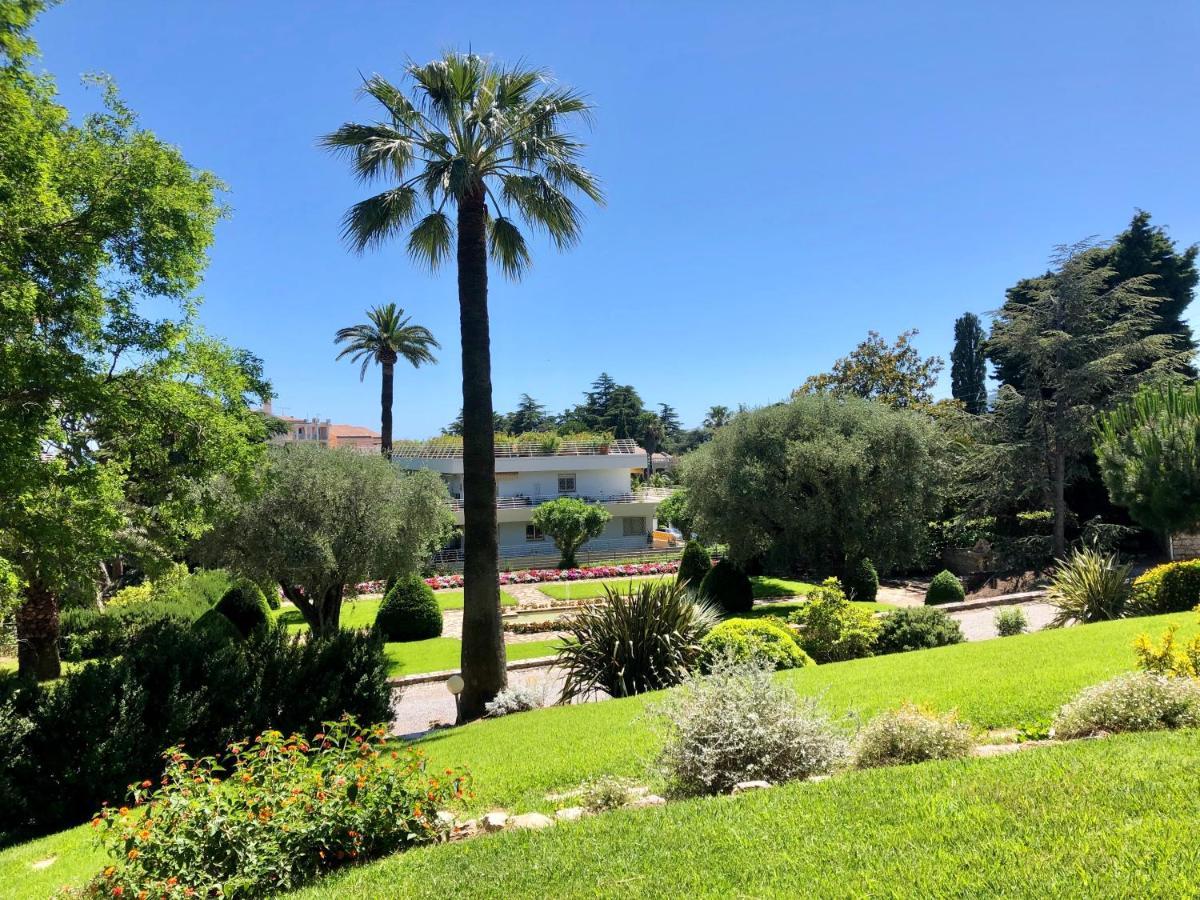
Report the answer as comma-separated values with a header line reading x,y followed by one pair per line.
x,y
326,433
528,475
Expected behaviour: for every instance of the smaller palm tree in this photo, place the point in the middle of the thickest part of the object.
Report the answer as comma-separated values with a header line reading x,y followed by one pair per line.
x,y
717,417
387,337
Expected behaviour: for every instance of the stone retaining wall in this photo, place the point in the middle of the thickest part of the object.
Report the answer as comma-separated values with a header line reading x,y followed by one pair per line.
x,y
1187,546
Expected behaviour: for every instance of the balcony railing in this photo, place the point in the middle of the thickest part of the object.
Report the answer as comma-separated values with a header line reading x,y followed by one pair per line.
x,y
514,449
645,495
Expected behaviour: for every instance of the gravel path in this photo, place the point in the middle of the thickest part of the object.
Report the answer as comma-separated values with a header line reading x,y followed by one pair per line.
x,y
421,706
977,623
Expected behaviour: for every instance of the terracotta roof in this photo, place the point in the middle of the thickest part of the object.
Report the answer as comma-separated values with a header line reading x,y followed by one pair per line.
x,y
348,431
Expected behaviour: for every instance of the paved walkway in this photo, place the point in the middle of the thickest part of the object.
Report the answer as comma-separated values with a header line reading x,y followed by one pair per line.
x,y
977,624
419,707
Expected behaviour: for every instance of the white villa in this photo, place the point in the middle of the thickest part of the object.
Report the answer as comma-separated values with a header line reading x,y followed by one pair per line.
x,y
528,474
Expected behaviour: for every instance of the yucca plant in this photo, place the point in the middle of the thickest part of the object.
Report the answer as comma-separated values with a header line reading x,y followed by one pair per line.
x,y
1088,587
632,643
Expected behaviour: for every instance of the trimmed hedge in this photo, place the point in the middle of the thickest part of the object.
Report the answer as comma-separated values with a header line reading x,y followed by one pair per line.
x,y
747,639
693,565
861,581
245,606
1171,587
945,588
917,628
728,586
409,611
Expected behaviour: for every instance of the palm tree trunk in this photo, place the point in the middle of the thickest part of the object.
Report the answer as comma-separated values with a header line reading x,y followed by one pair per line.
x,y
37,633
484,669
385,408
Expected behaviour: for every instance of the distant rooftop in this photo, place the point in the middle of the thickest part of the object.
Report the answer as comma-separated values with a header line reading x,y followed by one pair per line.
x,y
451,448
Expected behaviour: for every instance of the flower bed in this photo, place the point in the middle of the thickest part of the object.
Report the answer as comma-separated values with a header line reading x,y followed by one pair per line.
x,y
542,576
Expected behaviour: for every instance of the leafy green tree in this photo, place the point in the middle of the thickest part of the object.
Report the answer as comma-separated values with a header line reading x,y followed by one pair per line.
x,y
570,522
1080,340
1149,453
486,144
323,519
115,424
818,482
716,417
968,366
895,375
528,416
676,512
386,338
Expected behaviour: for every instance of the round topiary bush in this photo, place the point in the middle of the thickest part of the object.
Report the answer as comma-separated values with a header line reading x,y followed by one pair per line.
x,y
1171,587
728,586
861,581
409,611
693,565
245,606
743,640
945,588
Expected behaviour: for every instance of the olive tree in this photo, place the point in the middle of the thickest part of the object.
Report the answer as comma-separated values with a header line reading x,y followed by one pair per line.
x,y
818,482
569,522
324,519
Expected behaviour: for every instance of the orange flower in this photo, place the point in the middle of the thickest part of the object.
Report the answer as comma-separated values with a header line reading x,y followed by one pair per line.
x,y
95,822
172,880
124,810
108,873
133,854
146,783
144,835
118,891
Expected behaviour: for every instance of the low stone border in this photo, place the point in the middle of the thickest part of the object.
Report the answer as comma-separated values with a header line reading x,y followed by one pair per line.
x,y
986,602
427,677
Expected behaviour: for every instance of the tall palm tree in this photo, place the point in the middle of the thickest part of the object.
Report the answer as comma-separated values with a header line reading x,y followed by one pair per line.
x,y
486,143
386,338
717,417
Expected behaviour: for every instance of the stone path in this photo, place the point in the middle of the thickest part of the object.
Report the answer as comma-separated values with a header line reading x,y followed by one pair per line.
x,y
977,624
419,706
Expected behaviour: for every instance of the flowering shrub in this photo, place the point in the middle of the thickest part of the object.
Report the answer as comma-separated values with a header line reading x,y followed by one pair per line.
x,y
832,628
1136,701
911,734
740,724
1170,657
285,811
514,700
558,624
540,576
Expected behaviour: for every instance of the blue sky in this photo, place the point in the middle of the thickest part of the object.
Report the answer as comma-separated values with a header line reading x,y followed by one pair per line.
x,y
781,177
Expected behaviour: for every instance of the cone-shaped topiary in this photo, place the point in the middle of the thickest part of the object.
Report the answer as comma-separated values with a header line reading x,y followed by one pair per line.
x,y
861,581
945,588
409,611
728,586
245,606
693,565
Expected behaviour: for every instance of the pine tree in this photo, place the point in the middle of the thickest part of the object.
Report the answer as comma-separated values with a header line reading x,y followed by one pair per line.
x,y
968,368
528,416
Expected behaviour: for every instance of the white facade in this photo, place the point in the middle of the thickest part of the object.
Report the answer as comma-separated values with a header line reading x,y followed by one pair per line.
x,y
598,474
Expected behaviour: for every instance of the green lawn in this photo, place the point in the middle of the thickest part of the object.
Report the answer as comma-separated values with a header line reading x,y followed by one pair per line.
x,y
1037,818
1114,818
764,588
441,654
360,613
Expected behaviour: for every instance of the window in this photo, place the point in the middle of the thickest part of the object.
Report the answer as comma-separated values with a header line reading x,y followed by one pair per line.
x,y
566,483
533,534
633,525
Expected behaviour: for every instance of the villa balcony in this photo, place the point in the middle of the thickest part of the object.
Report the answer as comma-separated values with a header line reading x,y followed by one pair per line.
x,y
452,449
643,495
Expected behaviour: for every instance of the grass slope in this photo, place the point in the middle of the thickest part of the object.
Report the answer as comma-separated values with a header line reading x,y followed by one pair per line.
x,y
1090,819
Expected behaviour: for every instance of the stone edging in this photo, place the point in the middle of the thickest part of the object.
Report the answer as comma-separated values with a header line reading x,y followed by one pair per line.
x,y
985,602
536,662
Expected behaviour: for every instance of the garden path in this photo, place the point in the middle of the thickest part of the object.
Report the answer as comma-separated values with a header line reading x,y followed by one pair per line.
x,y
419,706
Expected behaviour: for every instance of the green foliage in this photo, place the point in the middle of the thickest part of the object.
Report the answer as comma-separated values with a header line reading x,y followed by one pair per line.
x,y
83,739
676,513
747,639
1088,587
10,588
911,734
694,565
1170,656
322,519
570,522
729,587
834,629
409,611
968,367
1170,587
945,587
643,640
1135,701
1149,454
245,606
896,376
279,811
739,724
1010,621
862,581
94,634
814,482
917,628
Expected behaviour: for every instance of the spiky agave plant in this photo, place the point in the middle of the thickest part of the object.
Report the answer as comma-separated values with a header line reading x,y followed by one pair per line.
x,y
635,642
1088,587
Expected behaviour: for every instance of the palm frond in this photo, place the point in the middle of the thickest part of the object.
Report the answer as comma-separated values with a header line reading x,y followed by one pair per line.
x,y
391,98
373,221
374,150
507,247
430,241
545,206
